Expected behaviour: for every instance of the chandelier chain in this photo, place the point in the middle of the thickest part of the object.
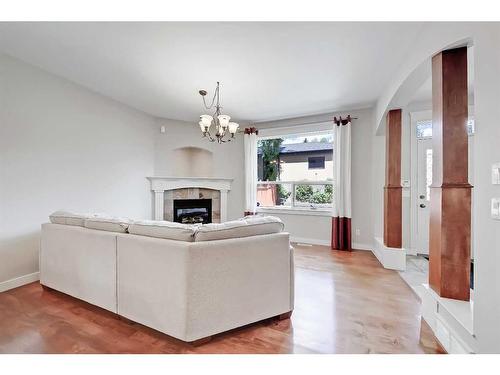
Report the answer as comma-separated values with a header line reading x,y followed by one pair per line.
x,y
216,95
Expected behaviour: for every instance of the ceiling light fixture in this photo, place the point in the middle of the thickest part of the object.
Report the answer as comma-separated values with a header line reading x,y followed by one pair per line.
x,y
222,125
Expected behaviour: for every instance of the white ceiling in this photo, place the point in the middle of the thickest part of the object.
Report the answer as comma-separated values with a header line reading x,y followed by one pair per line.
x,y
267,70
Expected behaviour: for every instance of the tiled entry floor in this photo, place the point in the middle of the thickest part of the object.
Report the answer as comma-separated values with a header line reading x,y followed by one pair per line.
x,y
417,272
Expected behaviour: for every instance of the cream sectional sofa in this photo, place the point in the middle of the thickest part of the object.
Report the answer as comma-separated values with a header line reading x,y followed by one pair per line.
x,y
189,282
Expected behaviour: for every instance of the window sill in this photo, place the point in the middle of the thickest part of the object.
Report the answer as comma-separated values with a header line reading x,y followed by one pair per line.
x,y
296,211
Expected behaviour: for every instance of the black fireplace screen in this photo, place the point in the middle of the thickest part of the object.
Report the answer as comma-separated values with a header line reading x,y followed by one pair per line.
x,y
193,211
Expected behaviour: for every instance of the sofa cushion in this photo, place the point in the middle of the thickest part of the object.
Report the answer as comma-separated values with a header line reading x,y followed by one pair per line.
x,y
69,218
246,227
110,224
163,229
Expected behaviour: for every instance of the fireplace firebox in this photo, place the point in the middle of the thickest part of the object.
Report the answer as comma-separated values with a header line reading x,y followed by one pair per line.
x,y
193,211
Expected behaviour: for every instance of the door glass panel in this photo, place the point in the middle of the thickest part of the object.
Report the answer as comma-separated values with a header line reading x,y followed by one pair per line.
x,y
428,173
424,129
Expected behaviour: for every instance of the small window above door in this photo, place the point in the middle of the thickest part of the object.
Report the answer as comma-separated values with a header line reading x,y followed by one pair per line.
x,y
424,128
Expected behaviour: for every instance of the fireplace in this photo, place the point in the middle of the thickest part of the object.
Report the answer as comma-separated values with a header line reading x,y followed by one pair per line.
x,y
193,211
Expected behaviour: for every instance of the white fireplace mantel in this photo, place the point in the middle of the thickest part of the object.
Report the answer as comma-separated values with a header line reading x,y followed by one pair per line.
x,y
161,184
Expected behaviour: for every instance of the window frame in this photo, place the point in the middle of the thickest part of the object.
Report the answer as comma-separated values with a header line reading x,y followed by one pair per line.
x,y
323,128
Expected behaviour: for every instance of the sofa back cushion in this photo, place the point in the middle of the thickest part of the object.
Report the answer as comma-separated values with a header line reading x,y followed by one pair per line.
x,y
246,227
110,224
69,218
163,229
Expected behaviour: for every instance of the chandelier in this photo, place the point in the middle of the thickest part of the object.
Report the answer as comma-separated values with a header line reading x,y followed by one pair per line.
x,y
224,130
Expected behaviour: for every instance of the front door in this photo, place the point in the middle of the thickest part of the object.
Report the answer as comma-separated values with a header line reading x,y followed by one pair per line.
x,y
424,180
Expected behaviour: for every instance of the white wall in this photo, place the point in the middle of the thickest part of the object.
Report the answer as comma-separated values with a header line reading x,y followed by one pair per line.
x,y
377,184
319,227
486,152
192,162
62,146
228,158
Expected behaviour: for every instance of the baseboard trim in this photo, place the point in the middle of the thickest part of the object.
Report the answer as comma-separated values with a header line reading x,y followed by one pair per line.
x,y
362,246
315,241
19,281
390,258
450,320
310,241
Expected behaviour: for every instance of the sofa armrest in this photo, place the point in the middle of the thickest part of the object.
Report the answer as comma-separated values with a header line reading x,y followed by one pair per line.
x,y
238,281
80,262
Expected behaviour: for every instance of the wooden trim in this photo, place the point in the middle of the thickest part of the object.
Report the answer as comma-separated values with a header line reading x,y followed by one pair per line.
x,y
393,217
450,206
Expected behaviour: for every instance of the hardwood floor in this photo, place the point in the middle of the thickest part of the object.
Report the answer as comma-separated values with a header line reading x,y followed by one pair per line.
x,y
345,302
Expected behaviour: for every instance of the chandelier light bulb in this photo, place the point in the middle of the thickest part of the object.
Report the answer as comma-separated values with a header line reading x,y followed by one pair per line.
x,y
224,120
206,120
233,127
203,127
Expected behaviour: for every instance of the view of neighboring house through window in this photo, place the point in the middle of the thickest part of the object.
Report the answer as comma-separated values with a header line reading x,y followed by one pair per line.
x,y
295,171
316,162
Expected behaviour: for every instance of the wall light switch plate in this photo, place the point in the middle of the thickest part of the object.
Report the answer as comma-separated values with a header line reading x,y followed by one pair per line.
x,y
495,208
495,174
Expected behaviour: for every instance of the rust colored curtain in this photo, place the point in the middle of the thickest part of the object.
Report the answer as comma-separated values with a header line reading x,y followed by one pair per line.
x,y
341,233
341,212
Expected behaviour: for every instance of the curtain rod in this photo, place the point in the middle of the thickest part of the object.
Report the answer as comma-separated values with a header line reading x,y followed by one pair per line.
x,y
343,121
311,123
335,120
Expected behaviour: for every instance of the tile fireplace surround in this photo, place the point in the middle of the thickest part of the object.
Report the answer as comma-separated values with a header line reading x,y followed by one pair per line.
x,y
166,189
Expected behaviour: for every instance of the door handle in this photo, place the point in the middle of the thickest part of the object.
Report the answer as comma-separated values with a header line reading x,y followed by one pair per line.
x,y
422,205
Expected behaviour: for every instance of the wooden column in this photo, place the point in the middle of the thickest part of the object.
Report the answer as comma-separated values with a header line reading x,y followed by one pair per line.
x,y
450,210
392,188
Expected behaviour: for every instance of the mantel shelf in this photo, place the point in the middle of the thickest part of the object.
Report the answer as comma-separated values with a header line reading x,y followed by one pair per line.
x,y
151,178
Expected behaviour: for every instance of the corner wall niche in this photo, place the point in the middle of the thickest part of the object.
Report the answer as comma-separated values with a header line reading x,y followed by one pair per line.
x,y
166,189
192,161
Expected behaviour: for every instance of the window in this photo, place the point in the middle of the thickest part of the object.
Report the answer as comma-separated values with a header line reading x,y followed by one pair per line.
x,y
295,171
424,128
316,162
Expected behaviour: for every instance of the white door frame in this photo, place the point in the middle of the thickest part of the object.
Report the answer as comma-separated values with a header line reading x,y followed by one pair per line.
x,y
414,118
